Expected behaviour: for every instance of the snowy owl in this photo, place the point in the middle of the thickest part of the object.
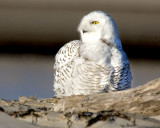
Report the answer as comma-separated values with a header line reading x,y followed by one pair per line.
x,y
95,63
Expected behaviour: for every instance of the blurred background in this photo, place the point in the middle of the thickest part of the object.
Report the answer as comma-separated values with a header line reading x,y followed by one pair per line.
x,y
32,31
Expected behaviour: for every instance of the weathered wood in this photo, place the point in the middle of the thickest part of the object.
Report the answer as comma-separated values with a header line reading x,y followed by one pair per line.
x,y
141,100
129,108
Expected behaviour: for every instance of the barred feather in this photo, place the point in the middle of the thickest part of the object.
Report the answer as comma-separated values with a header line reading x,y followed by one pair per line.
x,y
94,64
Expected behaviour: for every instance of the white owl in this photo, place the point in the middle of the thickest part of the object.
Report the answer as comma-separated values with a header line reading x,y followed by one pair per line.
x,y
94,64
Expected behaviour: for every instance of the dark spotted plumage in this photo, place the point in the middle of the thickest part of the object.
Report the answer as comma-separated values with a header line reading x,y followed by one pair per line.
x,y
94,64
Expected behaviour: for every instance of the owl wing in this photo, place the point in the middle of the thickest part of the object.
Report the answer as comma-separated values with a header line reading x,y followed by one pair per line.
x,y
121,75
66,54
63,65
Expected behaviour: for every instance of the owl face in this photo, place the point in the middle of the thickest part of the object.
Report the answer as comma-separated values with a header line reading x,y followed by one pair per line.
x,y
97,26
91,27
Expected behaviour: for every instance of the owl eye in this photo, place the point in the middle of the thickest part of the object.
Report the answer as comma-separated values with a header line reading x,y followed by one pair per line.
x,y
95,22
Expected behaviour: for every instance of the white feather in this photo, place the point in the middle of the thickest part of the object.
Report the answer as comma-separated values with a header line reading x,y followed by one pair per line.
x,y
96,63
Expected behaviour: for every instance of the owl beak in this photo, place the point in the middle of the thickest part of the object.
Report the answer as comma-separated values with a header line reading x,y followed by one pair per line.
x,y
84,31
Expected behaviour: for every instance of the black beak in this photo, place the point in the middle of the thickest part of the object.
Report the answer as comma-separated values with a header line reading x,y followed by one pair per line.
x,y
84,31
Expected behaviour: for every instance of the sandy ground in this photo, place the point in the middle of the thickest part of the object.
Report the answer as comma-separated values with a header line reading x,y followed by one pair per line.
x,y
10,122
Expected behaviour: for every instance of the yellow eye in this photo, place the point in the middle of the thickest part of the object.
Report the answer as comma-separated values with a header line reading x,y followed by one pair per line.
x,y
95,22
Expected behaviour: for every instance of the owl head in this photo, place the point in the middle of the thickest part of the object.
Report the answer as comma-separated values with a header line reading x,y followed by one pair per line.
x,y
99,26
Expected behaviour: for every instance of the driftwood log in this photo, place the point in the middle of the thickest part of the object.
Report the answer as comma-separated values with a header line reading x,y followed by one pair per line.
x,y
141,100
134,108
